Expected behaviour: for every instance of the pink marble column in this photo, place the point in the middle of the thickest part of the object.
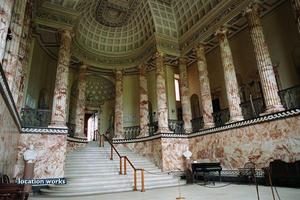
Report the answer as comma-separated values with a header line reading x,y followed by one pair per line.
x,y
264,63
59,117
231,84
184,94
12,47
6,7
24,54
296,7
119,131
80,102
205,95
162,108
144,112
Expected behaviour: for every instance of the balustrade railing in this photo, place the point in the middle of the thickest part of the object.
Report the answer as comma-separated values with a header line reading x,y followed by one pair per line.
x,y
35,117
176,126
290,97
197,124
131,132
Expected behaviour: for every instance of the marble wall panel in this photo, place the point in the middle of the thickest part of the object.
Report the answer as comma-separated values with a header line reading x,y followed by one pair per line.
x,y
51,153
151,149
260,143
172,153
9,138
71,146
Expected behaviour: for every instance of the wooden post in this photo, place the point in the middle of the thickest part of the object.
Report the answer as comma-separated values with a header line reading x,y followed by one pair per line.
x,y
121,165
134,181
142,180
125,170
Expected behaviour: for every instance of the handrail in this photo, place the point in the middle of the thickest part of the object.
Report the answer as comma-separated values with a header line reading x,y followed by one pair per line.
x,y
125,166
111,151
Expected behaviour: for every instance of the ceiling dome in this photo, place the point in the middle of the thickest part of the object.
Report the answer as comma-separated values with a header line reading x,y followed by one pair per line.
x,y
113,27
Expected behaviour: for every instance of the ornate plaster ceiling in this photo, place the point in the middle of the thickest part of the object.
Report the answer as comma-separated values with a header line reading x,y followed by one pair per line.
x,y
123,33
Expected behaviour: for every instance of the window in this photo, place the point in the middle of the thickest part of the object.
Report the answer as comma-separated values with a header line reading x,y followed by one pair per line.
x,y
177,90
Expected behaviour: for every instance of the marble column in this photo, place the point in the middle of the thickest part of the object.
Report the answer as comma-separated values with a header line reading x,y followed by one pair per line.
x,y
184,94
118,126
162,108
231,84
80,102
24,55
59,108
296,7
11,57
205,94
144,112
263,59
6,7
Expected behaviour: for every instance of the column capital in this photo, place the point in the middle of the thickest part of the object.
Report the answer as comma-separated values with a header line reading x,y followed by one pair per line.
x,y
253,8
119,74
182,60
199,50
83,66
66,33
222,32
142,68
159,54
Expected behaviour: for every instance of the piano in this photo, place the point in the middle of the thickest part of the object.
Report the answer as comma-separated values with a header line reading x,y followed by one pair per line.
x,y
204,168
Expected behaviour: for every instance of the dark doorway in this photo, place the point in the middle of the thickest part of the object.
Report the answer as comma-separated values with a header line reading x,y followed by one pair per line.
x,y
216,105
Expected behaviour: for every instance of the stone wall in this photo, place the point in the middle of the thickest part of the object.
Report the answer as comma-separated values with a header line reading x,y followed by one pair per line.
x,y
259,143
9,138
72,145
172,153
51,153
151,149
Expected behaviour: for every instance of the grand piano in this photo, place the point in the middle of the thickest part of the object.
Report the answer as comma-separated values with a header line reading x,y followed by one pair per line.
x,y
204,168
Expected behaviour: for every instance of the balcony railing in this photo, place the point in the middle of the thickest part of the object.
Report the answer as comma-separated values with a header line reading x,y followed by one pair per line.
x,y
131,132
35,117
290,99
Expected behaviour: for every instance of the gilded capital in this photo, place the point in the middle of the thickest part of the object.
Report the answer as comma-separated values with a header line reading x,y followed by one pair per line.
x,y
199,50
253,8
182,60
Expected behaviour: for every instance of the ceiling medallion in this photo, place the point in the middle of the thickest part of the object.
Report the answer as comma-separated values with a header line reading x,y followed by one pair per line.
x,y
115,13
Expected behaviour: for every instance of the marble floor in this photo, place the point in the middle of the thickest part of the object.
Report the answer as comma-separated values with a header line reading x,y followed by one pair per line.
x,y
196,192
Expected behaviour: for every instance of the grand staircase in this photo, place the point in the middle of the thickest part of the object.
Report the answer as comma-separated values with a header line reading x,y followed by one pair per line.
x,y
90,171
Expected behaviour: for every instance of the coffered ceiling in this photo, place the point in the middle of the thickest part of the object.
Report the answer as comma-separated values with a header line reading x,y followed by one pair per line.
x,y
113,34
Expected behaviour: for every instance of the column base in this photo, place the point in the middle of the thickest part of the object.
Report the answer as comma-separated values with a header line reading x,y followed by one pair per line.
x,y
235,119
188,130
273,109
209,125
164,130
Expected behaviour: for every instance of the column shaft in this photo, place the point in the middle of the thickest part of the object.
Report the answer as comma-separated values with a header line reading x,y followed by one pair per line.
x,y
12,47
58,118
80,102
119,105
296,7
205,94
6,8
184,93
231,83
162,108
144,112
264,63
24,55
